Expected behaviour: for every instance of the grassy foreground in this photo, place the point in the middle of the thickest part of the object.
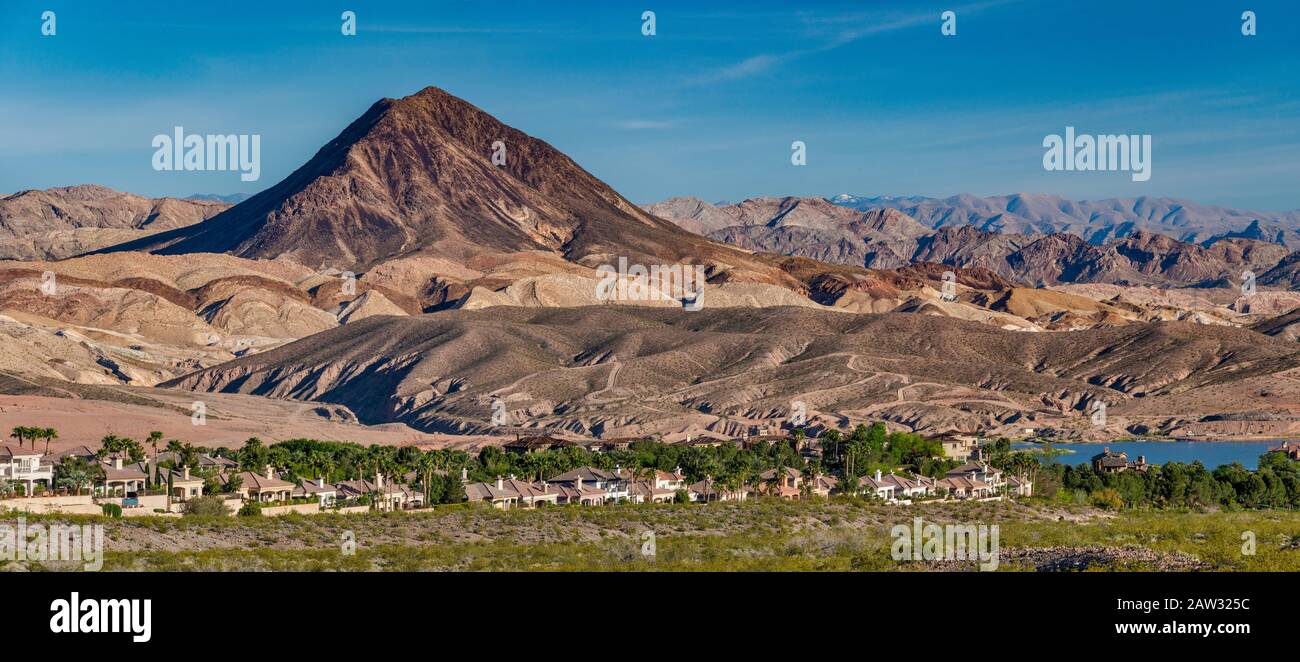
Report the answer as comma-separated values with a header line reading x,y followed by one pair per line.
x,y
761,535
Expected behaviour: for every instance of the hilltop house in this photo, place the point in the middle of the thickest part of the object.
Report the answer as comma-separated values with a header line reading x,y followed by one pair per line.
x,y
1290,448
1107,462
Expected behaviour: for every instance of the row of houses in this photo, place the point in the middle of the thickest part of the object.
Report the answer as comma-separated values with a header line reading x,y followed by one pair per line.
x,y
128,480
973,480
593,486
584,485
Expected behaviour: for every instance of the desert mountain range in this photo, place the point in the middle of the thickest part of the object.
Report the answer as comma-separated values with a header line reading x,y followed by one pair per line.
x,y
1115,242
403,280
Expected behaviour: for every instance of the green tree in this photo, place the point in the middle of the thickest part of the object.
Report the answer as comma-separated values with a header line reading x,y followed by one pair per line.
x,y
154,438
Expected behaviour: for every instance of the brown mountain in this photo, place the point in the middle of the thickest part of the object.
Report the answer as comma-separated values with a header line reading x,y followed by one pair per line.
x,y
61,222
886,238
415,176
614,370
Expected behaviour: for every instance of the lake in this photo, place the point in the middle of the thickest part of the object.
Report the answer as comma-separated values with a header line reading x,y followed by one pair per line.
x,y
1211,453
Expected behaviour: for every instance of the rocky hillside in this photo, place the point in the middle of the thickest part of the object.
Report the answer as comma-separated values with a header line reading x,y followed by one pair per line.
x,y
61,222
611,371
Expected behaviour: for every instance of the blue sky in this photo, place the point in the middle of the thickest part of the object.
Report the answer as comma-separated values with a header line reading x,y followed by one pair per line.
x,y
707,107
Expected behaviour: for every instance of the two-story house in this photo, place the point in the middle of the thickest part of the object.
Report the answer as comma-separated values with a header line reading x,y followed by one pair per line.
x,y
26,466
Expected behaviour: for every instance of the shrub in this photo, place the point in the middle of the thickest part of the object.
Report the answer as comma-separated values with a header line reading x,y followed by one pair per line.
x,y
206,506
112,510
251,509
1107,499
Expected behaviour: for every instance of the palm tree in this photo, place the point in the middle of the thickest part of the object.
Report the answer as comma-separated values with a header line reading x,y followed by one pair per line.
x,y
47,434
426,464
154,438
317,461
809,475
20,433
189,455
774,483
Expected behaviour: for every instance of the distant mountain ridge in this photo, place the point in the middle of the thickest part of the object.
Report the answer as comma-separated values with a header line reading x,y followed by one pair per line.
x,y
230,199
64,221
1097,221
1018,238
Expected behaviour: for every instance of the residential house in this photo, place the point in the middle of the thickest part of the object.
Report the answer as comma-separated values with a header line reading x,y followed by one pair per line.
x,y
711,490
877,486
670,480
531,495
263,487
1290,448
1021,487
123,478
316,488
965,486
959,446
26,466
786,485
644,491
823,486
1108,462
184,486
386,495
84,453
909,488
581,492
536,444
495,494
614,484
979,471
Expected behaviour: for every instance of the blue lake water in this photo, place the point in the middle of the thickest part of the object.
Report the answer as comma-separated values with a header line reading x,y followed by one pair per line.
x,y
1211,453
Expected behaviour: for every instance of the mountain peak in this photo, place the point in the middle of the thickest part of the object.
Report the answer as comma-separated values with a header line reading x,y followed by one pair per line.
x,y
417,175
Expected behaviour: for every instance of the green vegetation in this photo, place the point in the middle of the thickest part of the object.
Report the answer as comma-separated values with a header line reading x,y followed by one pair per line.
x,y
205,506
838,534
1274,485
32,434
